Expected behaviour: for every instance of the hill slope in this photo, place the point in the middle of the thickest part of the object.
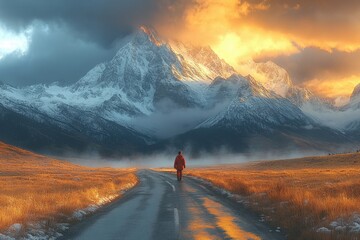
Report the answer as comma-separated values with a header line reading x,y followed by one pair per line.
x,y
38,192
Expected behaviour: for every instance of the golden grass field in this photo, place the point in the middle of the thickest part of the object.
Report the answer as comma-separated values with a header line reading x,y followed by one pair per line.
x,y
34,187
299,195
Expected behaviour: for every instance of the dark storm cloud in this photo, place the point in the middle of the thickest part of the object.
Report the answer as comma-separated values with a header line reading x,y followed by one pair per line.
x,y
103,21
54,55
79,34
312,62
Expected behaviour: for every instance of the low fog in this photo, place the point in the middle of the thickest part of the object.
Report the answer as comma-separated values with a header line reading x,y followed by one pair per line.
x,y
333,119
171,120
166,159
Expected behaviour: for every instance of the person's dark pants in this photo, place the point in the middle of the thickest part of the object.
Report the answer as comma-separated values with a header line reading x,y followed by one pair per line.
x,y
179,174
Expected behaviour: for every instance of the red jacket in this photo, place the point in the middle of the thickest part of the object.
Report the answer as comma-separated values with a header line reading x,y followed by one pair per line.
x,y
180,162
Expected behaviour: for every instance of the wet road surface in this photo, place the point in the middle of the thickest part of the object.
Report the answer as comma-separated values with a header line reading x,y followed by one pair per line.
x,y
160,207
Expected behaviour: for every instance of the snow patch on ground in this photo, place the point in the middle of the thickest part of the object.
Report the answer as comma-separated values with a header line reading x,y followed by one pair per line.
x,y
323,230
341,225
82,213
351,225
46,230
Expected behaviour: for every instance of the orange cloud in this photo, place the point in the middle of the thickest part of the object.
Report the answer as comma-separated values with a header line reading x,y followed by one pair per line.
x,y
333,87
324,24
248,43
239,30
219,24
304,22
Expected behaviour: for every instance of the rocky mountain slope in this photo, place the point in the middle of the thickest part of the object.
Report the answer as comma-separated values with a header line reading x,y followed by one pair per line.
x,y
154,95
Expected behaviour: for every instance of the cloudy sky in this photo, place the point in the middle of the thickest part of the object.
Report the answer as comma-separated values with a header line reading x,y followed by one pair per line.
x,y
316,41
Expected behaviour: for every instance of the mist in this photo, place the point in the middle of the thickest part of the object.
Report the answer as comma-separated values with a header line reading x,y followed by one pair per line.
x,y
204,159
170,119
333,119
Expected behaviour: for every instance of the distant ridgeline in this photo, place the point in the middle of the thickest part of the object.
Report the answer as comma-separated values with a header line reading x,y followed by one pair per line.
x,y
156,95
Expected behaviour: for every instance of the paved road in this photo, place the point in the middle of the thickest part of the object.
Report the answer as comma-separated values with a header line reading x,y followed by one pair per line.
x,y
162,208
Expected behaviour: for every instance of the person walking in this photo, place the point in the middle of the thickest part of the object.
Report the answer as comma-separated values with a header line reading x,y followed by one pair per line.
x,y
179,165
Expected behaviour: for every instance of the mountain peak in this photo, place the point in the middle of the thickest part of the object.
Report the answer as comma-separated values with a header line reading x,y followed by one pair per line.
x,y
202,58
356,92
151,34
271,76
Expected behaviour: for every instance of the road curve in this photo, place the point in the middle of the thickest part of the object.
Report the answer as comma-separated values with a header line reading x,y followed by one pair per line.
x,y
162,208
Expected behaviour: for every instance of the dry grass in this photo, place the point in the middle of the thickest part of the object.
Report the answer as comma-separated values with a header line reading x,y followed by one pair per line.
x,y
299,195
34,187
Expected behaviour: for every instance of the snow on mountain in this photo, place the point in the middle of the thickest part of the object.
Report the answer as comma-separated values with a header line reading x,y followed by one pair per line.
x,y
356,92
145,76
276,79
144,73
251,106
199,67
355,98
253,119
138,78
271,76
351,112
346,118
150,78
200,63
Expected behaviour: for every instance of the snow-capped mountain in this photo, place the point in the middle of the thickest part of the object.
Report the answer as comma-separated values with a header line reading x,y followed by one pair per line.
x,y
256,119
275,78
200,63
355,98
271,76
352,112
252,106
140,76
116,105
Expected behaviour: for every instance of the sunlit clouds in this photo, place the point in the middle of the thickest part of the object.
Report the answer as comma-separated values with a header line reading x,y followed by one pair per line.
x,y
240,30
246,44
337,88
222,25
